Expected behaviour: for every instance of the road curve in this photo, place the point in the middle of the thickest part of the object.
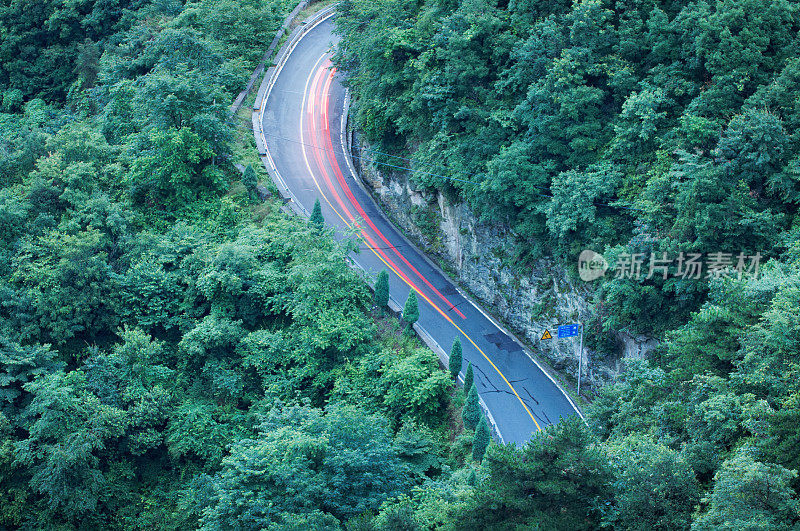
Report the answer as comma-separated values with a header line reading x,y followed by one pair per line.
x,y
301,122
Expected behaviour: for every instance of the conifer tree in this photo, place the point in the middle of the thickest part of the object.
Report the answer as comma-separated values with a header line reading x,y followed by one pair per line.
x,y
381,297
411,311
469,377
472,409
481,440
456,358
316,214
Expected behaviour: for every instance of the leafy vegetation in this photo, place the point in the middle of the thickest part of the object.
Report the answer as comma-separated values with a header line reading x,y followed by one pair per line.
x,y
638,127
634,128
174,354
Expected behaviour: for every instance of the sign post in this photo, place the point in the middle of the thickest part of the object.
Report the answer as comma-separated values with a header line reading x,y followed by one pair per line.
x,y
580,361
572,330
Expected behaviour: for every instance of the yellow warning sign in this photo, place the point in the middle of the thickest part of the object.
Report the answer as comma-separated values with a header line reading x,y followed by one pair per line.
x,y
547,335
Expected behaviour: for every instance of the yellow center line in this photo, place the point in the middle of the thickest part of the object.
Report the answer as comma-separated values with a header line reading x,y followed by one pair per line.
x,y
375,252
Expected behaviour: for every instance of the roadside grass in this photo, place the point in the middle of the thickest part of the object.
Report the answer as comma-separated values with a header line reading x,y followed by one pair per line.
x,y
311,10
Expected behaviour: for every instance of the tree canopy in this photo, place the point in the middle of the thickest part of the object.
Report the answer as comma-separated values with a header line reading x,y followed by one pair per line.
x,y
635,129
175,355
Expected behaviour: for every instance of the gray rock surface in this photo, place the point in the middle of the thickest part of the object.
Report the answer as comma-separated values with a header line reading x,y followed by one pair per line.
x,y
478,255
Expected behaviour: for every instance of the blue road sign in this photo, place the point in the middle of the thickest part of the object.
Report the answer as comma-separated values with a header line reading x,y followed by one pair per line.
x,y
569,330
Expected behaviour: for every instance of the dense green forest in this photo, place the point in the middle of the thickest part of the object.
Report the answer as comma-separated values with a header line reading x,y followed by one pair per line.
x,y
175,354
627,127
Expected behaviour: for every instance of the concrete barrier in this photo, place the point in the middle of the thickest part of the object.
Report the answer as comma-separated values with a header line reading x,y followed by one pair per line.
x,y
291,202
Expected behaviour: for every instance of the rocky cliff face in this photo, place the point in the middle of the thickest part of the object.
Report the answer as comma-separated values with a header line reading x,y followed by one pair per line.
x,y
476,255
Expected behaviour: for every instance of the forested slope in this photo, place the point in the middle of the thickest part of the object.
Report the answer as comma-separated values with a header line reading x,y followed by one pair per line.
x,y
622,126
633,128
175,354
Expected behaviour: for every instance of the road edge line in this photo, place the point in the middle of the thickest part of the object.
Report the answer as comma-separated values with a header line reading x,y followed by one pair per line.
x,y
347,147
294,205
263,96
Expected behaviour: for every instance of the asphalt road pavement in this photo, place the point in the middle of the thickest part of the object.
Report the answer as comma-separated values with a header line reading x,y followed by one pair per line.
x,y
301,123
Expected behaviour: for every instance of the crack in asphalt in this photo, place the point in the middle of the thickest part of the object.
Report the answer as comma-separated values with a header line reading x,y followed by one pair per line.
x,y
530,395
498,391
483,381
453,306
542,416
524,400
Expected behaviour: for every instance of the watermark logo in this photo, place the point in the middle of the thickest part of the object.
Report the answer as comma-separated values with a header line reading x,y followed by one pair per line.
x,y
637,266
591,265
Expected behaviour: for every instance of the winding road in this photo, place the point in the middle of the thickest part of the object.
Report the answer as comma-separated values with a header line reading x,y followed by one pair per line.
x,y
301,124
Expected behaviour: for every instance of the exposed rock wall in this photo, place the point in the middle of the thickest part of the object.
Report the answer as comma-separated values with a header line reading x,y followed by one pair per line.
x,y
476,255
